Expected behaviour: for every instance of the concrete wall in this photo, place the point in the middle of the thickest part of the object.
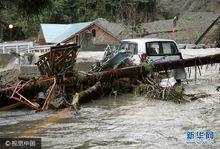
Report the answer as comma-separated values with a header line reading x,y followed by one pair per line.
x,y
6,59
10,68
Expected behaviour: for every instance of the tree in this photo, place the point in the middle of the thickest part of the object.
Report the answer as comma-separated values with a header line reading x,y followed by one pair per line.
x,y
17,12
27,8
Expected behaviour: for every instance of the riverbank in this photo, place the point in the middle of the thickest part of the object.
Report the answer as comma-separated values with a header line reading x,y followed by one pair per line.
x,y
127,121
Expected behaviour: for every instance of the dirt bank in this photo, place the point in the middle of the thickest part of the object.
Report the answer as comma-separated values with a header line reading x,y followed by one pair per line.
x,y
172,7
6,61
9,71
9,77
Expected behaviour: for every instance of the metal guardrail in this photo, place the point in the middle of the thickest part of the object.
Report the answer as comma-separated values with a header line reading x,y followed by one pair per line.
x,y
29,47
23,47
192,46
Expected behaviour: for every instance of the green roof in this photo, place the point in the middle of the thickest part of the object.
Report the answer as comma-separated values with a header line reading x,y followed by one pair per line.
x,y
56,33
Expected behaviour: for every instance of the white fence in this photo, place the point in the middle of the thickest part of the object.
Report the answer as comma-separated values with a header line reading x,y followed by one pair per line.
x,y
22,47
29,47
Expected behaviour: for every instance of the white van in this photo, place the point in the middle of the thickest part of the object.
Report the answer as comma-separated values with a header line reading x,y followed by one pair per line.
x,y
152,50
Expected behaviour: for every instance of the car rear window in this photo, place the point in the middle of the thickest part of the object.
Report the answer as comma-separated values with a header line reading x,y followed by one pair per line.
x,y
161,48
129,46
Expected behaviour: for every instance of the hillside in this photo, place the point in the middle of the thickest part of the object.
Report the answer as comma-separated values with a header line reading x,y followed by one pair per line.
x,y
195,17
172,7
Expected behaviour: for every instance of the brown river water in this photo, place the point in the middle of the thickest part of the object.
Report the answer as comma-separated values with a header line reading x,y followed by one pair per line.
x,y
125,122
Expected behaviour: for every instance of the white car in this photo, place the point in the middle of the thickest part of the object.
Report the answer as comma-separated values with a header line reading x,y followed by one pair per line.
x,y
152,50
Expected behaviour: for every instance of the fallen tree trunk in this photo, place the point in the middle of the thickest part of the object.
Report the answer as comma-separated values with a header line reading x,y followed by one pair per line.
x,y
139,71
197,61
85,94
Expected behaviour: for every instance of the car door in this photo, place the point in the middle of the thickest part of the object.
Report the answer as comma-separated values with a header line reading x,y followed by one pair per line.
x,y
165,51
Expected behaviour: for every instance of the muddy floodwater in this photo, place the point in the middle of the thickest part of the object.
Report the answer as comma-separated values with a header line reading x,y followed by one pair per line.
x,y
125,122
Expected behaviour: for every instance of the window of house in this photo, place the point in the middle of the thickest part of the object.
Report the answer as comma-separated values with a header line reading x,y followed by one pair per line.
x,y
93,33
78,39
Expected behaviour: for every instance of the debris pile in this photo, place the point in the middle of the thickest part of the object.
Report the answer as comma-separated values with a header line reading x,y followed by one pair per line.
x,y
63,86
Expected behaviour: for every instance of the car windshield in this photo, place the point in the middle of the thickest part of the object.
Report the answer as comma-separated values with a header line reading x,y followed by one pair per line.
x,y
161,48
128,46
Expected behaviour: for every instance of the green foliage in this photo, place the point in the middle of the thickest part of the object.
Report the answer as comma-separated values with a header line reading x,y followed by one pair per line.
x,y
28,14
23,14
27,8
32,7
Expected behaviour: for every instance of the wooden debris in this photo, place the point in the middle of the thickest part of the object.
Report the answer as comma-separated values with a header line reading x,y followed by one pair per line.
x,y
58,60
18,98
78,97
198,96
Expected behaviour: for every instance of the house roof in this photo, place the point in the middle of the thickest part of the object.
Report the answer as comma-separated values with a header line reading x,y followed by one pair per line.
x,y
114,28
56,33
